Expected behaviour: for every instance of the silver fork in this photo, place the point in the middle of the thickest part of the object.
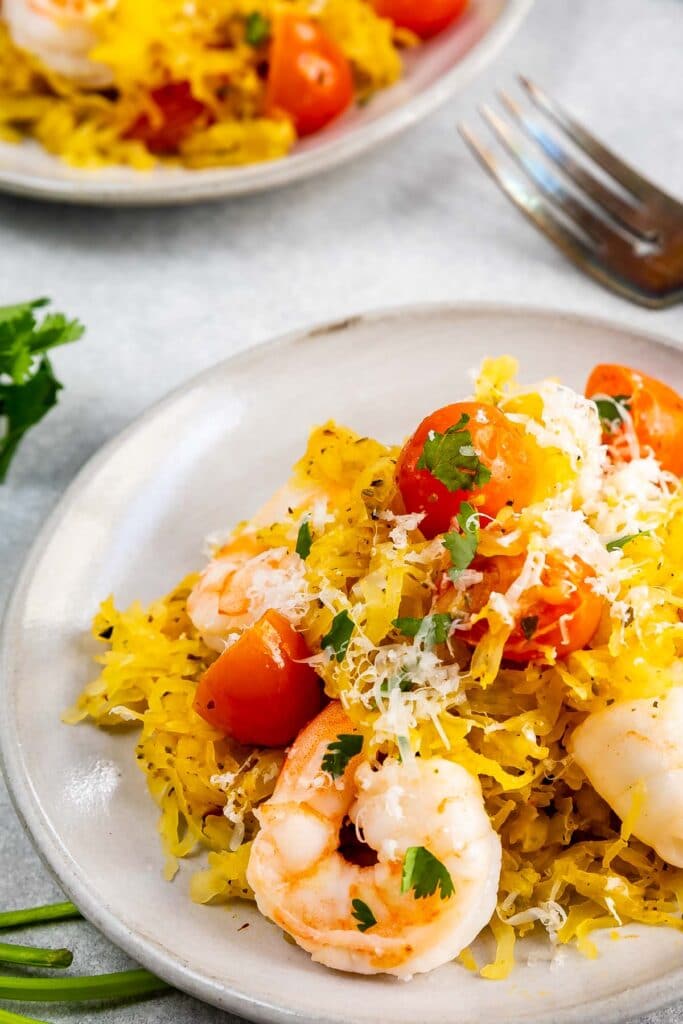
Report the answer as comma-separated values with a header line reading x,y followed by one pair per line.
x,y
622,230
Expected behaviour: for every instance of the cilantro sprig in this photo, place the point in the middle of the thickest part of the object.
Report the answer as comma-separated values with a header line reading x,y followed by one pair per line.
x,y
401,680
256,29
424,874
338,638
339,753
363,915
28,386
431,630
462,546
304,540
452,459
611,410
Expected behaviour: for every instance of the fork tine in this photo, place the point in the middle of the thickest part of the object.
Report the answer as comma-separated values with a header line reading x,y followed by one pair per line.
x,y
532,204
550,185
627,177
622,212
528,201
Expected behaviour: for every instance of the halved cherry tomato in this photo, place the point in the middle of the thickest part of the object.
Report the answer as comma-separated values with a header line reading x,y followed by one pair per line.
x,y
179,113
258,691
309,77
655,408
501,445
423,17
563,611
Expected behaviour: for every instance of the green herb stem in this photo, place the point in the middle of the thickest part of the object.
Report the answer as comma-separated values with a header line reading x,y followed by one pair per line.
x,y
6,1017
121,985
38,915
32,956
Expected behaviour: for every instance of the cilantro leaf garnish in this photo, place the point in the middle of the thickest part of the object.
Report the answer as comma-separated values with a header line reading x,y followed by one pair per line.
x,y
28,386
424,874
462,547
339,635
362,913
256,29
304,540
610,410
451,458
402,681
529,625
340,752
620,542
432,629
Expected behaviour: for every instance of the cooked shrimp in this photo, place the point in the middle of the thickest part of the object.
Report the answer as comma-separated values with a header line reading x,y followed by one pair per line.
x,y
294,494
60,34
240,586
305,885
244,581
632,754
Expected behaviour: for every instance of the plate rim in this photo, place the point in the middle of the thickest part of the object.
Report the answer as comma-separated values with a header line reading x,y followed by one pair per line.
x,y
650,996
220,183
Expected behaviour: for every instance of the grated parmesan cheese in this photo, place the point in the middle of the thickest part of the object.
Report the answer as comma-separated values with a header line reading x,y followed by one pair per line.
x,y
570,423
632,496
402,526
283,587
549,914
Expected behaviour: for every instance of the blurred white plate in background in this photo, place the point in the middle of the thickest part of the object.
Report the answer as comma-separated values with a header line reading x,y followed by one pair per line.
x,y
434,73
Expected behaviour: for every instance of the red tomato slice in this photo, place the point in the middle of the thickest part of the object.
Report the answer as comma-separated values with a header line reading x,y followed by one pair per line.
x,y
179,113
258,691
309,77
655,408
502,447
423,17
563,611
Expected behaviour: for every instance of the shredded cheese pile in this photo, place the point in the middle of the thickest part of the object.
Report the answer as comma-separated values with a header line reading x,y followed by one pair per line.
x,y
569,866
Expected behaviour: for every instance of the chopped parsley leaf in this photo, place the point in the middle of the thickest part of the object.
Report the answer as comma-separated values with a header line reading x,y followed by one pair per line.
x,y
610,410
339,635
304,540
529,625
362,913
256,29
462,547
424,874
621,542
432,629
28,386
340,752
403,682
452,460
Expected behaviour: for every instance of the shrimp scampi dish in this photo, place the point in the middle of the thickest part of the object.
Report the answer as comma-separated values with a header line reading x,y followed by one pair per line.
x,y
201,84
428,701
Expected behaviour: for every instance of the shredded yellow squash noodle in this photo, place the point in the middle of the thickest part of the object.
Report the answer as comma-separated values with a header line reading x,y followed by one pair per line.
x,y
569,865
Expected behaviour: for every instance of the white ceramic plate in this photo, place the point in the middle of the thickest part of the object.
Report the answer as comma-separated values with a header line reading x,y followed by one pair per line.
x,y
434,73
132,524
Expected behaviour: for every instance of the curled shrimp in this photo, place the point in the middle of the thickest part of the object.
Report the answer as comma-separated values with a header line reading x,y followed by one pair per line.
x,y
245,580
632,754
60,34
306,885
239,586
